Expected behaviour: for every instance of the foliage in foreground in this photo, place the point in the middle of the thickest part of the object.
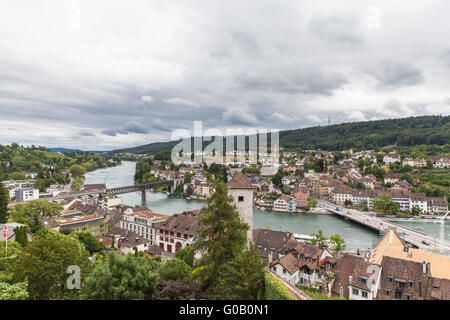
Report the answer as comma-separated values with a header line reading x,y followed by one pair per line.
x,y
274,289
121,278
44,263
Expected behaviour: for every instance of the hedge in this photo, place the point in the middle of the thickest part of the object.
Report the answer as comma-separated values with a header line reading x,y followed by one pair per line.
x,y
274,289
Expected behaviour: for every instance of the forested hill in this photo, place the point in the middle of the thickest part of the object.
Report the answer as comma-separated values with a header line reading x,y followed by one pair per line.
x,y
405,132
16,161
425,130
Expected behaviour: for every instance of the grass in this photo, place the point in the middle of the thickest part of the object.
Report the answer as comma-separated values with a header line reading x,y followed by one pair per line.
x,y
317,295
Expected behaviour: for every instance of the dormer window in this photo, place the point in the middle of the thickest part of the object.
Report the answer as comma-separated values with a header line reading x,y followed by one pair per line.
x,y
240,199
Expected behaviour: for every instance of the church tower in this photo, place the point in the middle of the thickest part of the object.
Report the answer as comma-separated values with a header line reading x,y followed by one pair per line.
x,y
242,192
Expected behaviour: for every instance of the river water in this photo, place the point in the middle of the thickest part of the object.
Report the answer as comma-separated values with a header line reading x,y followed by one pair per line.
x,y
355,235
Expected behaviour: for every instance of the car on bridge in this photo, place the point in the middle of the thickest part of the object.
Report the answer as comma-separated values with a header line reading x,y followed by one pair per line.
x,y
426,242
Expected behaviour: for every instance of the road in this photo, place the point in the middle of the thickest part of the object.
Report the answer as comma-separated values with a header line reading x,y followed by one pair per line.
x,y
370,220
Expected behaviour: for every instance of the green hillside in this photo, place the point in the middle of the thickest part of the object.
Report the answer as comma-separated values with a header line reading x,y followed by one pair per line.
x,y
16,161
430,133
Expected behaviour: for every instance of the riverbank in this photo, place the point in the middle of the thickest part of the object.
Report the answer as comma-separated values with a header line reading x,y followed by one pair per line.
x,y
355,235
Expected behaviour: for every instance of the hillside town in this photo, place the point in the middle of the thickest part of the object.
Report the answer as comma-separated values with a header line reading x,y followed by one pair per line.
x,y
351,179
391,270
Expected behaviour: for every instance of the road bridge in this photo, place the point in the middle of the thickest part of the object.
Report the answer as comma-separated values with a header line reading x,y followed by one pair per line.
x,y
416,238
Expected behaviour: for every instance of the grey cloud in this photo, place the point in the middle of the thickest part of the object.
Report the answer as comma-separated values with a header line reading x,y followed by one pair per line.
x,y
86,134
303,81
396,74
338,29
135,127
237,116
445,57
266,61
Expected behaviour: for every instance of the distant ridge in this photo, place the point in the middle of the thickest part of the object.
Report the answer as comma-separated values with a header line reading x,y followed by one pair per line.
x,y
63,150
421,130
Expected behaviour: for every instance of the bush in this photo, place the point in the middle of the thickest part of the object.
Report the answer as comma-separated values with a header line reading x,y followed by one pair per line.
x,y
274,289
174,269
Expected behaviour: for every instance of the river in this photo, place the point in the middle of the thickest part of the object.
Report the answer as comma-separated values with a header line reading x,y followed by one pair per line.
x,y
355,235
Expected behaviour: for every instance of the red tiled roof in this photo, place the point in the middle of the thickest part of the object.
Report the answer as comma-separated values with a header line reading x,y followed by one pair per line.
x,y
240,181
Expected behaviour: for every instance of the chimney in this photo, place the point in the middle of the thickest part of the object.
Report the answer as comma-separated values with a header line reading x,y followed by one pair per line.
x,y
424,267
350,279
405,248
428,267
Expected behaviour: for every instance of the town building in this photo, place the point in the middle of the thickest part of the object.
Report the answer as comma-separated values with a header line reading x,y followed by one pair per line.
x,y
301,194
26,194
142,220
356,278
95,225
391,158
440,161
177,231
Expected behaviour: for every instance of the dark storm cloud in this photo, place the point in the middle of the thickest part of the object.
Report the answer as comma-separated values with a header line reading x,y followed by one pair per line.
x,y
303,81
397,74
97,84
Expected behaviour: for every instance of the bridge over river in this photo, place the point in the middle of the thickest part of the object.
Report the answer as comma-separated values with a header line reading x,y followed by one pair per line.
x,y
172,184
369,219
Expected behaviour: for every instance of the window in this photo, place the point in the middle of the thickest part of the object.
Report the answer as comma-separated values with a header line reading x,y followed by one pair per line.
x,y
171,233
364,294
240,198
284,271
408,297
363,280
388,292
411,284
179,235
390,279
355,292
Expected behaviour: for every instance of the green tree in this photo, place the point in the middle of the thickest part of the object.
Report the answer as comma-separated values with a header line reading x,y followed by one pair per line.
x,y
221,239
44,263
21,235
240,278
312,203
187,255
17,291
319,239
337,243
415,210
32,212
91,244
17,176
120,278
77,184
174,269
77,170
384,204
4,200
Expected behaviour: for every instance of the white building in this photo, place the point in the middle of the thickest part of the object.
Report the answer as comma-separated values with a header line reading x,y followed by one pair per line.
x,y
142,221
391,158
418,200
26,194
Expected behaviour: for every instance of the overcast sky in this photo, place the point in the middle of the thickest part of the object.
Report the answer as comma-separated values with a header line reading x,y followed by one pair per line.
x,y
99,75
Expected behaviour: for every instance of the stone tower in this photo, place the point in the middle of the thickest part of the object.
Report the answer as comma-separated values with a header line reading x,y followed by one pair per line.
x,y
242,192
